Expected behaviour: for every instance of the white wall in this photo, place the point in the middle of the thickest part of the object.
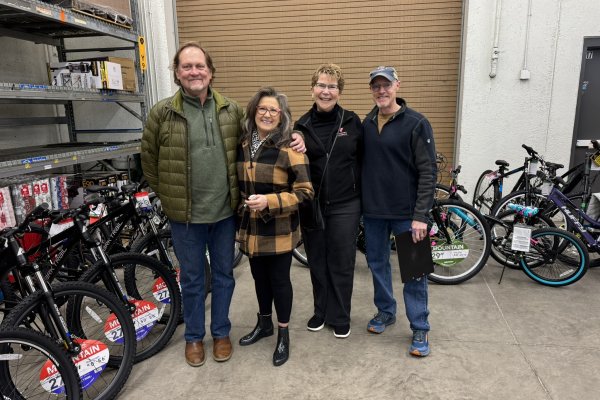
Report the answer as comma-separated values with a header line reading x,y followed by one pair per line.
x,y
160,31
497,115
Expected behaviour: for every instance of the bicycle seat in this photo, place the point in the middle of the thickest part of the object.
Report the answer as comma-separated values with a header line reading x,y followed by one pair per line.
x,y
502,163
553,166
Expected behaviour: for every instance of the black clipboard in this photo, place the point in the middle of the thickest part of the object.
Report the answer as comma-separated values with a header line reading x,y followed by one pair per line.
x,y
414,259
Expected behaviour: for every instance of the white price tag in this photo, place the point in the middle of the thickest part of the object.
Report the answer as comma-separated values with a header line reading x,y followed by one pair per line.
x,y
533,167
546,188
521,239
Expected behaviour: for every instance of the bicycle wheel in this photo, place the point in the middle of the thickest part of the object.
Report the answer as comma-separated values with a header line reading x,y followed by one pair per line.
x,y
153,288
483,195
501,249
34,367
300,255
462,257
556,257
99,323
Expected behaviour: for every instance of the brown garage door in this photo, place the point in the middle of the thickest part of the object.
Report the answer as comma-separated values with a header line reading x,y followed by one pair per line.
x,y
280,43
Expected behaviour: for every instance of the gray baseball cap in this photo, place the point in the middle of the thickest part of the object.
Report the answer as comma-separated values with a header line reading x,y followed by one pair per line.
x,y
388,73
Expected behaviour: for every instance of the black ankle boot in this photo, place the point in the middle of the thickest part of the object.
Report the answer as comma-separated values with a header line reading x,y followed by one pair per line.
x,y
282,351
263,328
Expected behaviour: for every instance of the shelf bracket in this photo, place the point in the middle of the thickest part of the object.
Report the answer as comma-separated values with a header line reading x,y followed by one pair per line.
x,y
130,110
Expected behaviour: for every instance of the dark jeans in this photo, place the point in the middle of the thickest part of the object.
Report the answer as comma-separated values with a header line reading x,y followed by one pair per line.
x,y
331,256
273,285
190,241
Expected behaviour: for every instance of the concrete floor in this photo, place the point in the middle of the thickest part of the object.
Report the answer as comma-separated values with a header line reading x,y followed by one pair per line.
x,y
516,340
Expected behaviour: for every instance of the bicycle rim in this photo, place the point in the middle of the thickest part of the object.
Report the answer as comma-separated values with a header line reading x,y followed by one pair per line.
x,y
99,323
556,258
34,367
468,251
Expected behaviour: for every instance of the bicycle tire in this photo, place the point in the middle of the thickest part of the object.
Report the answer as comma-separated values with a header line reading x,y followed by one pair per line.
x,y
483,195
568,258
93,315
503,254
470,234
155,286
300,255
32,366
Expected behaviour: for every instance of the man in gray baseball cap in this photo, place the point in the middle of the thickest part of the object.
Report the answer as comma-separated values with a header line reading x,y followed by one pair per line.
x,y
399,173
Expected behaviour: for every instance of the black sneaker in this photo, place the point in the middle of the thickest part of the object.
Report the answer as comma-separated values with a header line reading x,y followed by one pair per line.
x,y
341,331
315,323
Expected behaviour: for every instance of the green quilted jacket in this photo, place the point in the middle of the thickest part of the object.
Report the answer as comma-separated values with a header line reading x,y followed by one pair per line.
x,y
165,152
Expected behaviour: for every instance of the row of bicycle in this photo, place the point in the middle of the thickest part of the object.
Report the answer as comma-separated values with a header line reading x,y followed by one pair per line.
x,y
540,226
80,279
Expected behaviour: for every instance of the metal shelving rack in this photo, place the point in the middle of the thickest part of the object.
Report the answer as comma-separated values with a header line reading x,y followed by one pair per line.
x,y
45,23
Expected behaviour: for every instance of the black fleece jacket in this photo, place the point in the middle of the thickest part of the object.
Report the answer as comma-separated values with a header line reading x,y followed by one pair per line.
x,y
342,177
399,166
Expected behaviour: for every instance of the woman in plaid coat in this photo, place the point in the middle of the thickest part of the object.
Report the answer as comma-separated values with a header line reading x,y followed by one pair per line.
x,y
273,181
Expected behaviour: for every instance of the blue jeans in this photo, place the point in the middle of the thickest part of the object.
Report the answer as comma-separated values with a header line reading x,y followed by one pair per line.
x,y
377,235
190,242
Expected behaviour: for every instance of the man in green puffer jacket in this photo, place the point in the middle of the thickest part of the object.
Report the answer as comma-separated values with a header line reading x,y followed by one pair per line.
x,y
189,159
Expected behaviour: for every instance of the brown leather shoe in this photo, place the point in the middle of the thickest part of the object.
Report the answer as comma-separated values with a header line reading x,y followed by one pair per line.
x,y
194,354
222,349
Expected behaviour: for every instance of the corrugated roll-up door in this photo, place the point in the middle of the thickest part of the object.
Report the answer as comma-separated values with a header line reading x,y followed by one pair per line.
x,y
280,43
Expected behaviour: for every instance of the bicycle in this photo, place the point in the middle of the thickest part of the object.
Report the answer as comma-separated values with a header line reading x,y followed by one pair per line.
x,y
90,323
151,292
549,256
32,366
490,184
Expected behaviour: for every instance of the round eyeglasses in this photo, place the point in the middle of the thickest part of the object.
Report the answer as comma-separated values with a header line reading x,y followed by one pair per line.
x,y
263,110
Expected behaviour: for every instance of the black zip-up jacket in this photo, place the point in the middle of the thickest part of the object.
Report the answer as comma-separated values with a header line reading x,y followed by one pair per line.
x,y
399,166
342,177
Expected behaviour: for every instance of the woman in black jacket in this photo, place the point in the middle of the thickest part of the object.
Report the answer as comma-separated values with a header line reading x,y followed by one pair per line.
x,y
333,139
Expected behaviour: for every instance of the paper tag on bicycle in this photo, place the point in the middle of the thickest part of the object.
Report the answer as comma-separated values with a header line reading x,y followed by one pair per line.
x,y
97,211
91,360
546,188
521,238
533,167
63,225
142,202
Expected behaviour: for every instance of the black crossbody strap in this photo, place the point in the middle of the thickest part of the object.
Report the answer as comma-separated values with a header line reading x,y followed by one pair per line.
x,y
329,154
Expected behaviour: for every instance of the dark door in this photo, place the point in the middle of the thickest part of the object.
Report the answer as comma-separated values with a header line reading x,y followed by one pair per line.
x,y
587,117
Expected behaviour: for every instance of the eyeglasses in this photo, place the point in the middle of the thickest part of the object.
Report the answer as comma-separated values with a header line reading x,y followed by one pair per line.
x,y
376,87
263,110
323,86
189,67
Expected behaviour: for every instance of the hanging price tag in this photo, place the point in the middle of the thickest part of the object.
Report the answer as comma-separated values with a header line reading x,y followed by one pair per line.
x,y
546,188
533,167
142,202
521,238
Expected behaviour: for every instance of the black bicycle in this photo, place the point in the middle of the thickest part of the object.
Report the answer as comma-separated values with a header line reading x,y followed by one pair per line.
x,y
32,366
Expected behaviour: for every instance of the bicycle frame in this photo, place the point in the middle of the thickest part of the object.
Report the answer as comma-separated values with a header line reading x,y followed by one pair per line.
x,y
576,215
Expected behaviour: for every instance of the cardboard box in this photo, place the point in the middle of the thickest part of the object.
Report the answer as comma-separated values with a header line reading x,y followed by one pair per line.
x,y
106,75
128,73
121,7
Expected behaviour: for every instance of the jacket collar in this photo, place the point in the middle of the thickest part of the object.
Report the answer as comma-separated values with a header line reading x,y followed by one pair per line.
x,y
304,120
176,102
372,115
